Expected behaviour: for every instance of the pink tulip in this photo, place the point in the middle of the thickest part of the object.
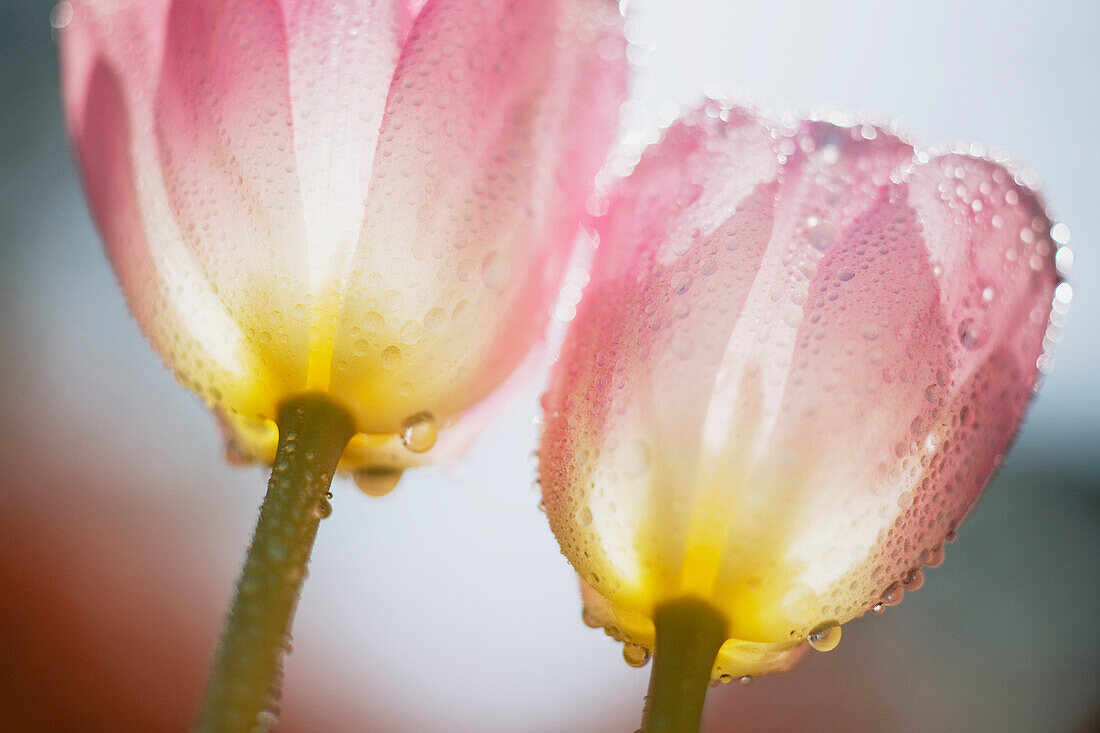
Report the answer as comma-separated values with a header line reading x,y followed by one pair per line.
x,y
803,350
367,199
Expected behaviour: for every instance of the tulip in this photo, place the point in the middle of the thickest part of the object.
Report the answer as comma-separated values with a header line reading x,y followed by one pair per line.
x,y
803,350
341,222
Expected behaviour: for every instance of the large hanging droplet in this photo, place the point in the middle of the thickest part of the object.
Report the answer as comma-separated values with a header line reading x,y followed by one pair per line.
x,y
419,432
635,655
377,480
590,619
825,636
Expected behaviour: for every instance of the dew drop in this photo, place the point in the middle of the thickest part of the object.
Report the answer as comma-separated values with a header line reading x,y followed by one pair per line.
x,y
324,507
419,432
583,516
893,594
879,607
391,357
913,579
589,619
494,270
932,558
61,15
822,235
266,720
377,480
970,334
825,636
745,680
635,655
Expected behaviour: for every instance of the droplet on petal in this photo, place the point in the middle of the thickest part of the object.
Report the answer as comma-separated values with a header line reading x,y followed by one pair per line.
x,y
377,480
825,636
635,655
419,432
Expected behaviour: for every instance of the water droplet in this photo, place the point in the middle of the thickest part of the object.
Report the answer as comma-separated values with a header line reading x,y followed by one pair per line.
x,y
932,558
391,357
971,334
266,720
745,680
494,270
419,432
825,636
822,235
583,516
61,15
589,619
635,655
878,607
325,508
893,594
913,579
377,480
1059,232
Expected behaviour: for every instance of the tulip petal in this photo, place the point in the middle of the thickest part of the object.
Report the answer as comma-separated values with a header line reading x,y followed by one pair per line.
x,y
498,118
831,177
989,239
341,58
107,51
869,361
708,183
226,145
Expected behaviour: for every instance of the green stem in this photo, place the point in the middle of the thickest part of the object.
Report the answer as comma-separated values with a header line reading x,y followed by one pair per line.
x,y
689,634
243,689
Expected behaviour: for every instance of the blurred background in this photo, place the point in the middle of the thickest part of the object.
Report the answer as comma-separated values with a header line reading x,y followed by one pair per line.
x,y
446,606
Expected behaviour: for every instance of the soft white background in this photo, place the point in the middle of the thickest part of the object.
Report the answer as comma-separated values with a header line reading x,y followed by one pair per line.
x,y
447,606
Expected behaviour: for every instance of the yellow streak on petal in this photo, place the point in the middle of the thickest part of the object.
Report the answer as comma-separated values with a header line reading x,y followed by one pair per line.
x,y
322,339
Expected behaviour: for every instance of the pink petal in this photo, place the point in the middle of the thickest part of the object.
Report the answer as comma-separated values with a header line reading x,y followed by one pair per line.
x,y
109,54
867,367
989,238
227,155
410,10
340,62
498,118
101,135
648,336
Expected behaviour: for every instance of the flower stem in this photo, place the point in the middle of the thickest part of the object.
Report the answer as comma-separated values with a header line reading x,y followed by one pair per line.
x,y
243,688
689,634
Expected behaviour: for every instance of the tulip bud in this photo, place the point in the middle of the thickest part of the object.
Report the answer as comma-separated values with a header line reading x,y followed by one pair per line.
x,y
803,351
363,199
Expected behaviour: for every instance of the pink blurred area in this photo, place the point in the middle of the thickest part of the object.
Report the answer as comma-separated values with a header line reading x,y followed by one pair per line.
x,y
447,606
